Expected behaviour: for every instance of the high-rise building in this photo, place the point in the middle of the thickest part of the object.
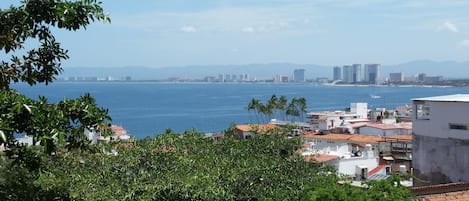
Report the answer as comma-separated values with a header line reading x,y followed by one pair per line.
x,y
356,73
372,73
337,73
396,77
347,75
421,77
299,75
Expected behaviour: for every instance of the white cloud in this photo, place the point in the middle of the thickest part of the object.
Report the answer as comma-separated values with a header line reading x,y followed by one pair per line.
x,y
188,29
448,26
464,43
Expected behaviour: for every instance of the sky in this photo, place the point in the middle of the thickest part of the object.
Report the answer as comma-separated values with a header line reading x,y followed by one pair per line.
x,y
165,33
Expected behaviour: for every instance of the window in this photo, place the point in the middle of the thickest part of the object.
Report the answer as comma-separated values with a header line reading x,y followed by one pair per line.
x,y
422,111
458,126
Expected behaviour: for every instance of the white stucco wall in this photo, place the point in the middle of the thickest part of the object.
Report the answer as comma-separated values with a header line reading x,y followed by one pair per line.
x,y
380,132
329,147
348,166
441,114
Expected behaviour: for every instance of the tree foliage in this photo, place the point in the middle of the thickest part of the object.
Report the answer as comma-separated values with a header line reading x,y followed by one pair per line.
x,y
33,20
296,108
185,166
32,23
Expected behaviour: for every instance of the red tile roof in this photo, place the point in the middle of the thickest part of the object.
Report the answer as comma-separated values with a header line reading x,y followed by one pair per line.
x,y
376,170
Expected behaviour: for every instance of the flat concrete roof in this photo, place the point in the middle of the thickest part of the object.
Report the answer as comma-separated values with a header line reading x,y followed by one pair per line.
x,y
447,98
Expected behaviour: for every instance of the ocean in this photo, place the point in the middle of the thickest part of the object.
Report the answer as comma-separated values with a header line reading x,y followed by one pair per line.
x,y
149,108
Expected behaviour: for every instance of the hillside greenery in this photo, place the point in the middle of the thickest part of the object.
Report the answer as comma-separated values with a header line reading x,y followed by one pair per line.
x,y
185,166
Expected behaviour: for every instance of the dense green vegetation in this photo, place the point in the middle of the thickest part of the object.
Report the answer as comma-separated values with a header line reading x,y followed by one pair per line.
x,y
181,167
26,25
171,166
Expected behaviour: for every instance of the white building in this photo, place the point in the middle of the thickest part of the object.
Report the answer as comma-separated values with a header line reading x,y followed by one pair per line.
x,y
381,129
344,152
328,120
351,153
441,139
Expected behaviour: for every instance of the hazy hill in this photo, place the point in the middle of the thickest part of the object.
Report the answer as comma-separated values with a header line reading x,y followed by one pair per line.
x,y
448,69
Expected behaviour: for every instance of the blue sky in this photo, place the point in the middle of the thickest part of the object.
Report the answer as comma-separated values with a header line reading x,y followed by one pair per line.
x,y
161,33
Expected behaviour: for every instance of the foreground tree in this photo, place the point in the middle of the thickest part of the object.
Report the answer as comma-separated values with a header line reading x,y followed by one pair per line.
x,y
184,166
32,21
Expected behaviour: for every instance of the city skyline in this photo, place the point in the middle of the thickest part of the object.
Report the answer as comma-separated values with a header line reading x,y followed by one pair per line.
x,y
178,33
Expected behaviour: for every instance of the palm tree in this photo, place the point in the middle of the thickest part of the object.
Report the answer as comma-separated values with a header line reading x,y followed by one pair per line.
x,y
254,105
271,106
301,103
260,107
292,109
282,105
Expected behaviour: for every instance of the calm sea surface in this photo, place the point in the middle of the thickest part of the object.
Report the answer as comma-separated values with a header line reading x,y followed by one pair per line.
x,y
147,109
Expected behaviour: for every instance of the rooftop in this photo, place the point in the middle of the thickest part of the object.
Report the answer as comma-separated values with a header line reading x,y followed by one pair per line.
x,y
447,98
253,127
319,158
405,125
443,192
357,138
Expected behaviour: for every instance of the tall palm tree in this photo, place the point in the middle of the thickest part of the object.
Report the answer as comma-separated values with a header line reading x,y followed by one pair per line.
x,y
261,109
302,107
254,105
292,109
282,106
271,106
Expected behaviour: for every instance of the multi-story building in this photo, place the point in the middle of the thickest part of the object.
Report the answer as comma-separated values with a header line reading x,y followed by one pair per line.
x,y
372,73
299,75
440,139
421,77
337,73
396,77
282,78
347,74
356,73
331,119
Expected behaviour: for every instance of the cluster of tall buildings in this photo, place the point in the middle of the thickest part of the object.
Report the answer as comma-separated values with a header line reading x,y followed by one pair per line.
x,y
355,74
298,76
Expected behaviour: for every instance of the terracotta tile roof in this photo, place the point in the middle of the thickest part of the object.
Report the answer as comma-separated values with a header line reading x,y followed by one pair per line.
x,y
406,138
357,138
251,127
443,192
376,170
319,158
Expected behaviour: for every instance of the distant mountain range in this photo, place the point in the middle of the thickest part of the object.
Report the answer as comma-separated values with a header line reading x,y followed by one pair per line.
x,y
447,69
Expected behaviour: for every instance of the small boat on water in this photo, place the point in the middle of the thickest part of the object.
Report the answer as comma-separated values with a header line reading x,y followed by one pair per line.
x,y
375,96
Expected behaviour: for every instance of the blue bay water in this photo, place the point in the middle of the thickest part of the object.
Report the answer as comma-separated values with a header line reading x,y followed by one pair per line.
x,y
147,109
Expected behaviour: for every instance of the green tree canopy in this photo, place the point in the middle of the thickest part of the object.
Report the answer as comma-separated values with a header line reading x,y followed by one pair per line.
x,y
33,20
32,23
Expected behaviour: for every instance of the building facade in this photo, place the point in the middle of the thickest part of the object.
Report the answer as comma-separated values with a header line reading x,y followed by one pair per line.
x,y
337,75
356,73
347,75
372,73
299,75
440,139
396,77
